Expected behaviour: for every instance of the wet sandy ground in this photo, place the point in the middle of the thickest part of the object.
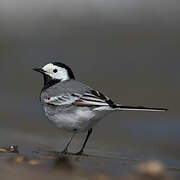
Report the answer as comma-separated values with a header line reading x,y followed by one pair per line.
x,y
42,164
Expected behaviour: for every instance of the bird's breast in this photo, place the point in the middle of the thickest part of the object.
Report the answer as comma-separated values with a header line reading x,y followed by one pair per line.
x,y
70,119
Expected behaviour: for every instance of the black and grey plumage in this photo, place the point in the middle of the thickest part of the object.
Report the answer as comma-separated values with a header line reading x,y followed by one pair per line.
x,y
74,106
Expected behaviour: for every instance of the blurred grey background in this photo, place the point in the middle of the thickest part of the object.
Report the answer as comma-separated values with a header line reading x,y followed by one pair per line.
x,y
128,49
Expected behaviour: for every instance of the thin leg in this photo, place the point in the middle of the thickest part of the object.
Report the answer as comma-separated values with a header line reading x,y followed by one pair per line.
x,y
84,144
65,151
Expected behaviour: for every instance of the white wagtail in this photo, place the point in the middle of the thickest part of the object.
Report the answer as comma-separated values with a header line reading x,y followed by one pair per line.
x,y
74,106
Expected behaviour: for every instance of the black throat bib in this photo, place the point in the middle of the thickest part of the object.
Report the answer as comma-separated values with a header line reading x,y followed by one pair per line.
x,y
48,81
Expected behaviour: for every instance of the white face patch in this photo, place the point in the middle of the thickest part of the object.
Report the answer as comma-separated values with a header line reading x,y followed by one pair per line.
x,y
56,72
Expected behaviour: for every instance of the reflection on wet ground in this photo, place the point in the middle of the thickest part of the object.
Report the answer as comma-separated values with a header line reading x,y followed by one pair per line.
x,y
53,165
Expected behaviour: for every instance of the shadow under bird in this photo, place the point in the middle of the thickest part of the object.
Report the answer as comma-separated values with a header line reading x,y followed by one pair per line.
x,y
74,106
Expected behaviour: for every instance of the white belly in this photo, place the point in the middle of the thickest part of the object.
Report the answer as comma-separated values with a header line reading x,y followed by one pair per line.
x,y
81,119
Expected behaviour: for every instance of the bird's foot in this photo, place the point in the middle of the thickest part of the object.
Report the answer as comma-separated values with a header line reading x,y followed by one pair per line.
x,y
65,152
80,153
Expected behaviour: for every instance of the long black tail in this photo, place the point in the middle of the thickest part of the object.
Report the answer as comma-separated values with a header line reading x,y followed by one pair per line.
x,y
138,108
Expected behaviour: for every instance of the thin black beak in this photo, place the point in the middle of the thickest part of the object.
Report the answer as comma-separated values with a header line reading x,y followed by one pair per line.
x,y
39,70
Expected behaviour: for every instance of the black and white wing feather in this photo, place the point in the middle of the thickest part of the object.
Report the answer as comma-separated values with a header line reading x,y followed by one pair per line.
x,y
64,99
94,98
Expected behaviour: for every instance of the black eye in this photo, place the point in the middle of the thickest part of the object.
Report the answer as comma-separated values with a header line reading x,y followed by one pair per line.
x,y
55,70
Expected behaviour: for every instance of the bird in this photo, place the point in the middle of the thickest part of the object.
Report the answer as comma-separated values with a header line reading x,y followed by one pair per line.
x,y
73,106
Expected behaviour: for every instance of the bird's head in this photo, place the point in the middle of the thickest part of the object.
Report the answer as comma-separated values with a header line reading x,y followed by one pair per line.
x,y
55,72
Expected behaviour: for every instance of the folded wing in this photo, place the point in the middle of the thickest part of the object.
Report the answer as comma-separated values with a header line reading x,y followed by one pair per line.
x,y
91,98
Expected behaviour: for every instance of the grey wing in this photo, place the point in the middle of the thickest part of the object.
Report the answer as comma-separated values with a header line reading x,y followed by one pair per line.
x,y
88,98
